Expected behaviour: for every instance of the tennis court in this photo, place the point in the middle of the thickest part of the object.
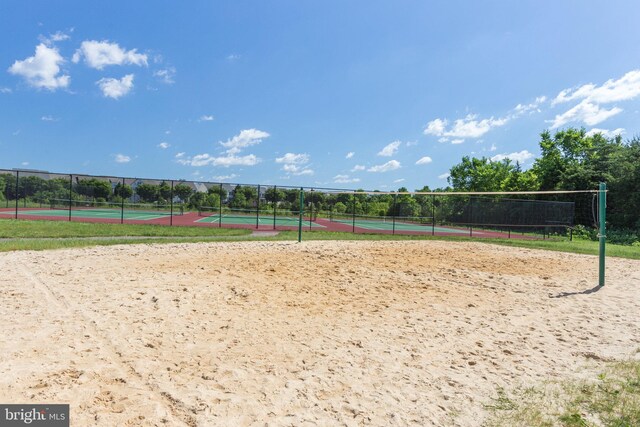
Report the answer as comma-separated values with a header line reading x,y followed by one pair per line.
x,y
238,219
389,225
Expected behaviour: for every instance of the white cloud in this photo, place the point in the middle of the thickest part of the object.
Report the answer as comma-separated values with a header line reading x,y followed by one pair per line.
x,y
244,139
233,57
469,127
164,145
234,146
344,179
349,155
493,147
100,54
625,88
42,69
226,161
587,112
5,90
24,164
444,175
166,75
294,169
59,36
305,171
411,143
591,96
221,178
48,119
424,160
436,127
121,158
457,141
389,166
357,168
607,133
114,88
390,149
295,159
206,118
397,181
443,139
520,156
533,107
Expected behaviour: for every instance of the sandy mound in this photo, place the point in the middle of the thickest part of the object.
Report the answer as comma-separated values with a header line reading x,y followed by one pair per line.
x,y
318,333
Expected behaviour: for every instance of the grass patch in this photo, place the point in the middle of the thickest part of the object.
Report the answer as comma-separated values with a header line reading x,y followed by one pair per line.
x,y
11,228
612,399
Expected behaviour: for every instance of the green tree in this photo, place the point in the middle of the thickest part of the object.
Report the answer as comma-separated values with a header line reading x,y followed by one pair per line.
x,y
183,191
147,192
164,190
123,191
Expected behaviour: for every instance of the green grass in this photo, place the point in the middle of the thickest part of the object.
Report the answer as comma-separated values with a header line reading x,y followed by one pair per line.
x,y
11,228
77,234
611,399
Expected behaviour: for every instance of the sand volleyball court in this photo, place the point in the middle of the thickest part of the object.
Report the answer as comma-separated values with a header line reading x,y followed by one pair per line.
x,y
313,334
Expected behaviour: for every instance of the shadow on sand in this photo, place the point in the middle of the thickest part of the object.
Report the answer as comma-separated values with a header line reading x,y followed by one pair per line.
x,y
568,294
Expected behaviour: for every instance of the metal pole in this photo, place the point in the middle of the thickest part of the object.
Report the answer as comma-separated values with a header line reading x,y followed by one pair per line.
x,y
220,205
70,192
470,216
300,215
171,204
311,214
122,202
433,215
353,211
258,209
275,204
602,235
394,212
17,190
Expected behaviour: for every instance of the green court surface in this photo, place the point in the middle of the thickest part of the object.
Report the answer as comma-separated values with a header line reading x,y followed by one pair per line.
x,y
262,220
141,215
388,225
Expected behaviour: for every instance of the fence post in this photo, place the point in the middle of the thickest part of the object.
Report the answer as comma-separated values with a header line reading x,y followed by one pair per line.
x,y
311,210
70,193
300,215
275,205
394,212
353,211
258,209
171,204
122,202
17,191
220,213
433,214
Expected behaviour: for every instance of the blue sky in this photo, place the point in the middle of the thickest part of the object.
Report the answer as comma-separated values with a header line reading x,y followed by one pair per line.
x,y
342,94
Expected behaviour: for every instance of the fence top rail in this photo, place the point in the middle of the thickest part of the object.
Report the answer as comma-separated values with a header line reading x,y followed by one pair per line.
x,y
467,193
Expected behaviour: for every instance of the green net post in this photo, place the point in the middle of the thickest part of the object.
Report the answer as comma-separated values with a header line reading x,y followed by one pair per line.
x,y
300,215
602,235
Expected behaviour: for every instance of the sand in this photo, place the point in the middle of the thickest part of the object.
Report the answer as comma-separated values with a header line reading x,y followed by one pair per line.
x,y
312,334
